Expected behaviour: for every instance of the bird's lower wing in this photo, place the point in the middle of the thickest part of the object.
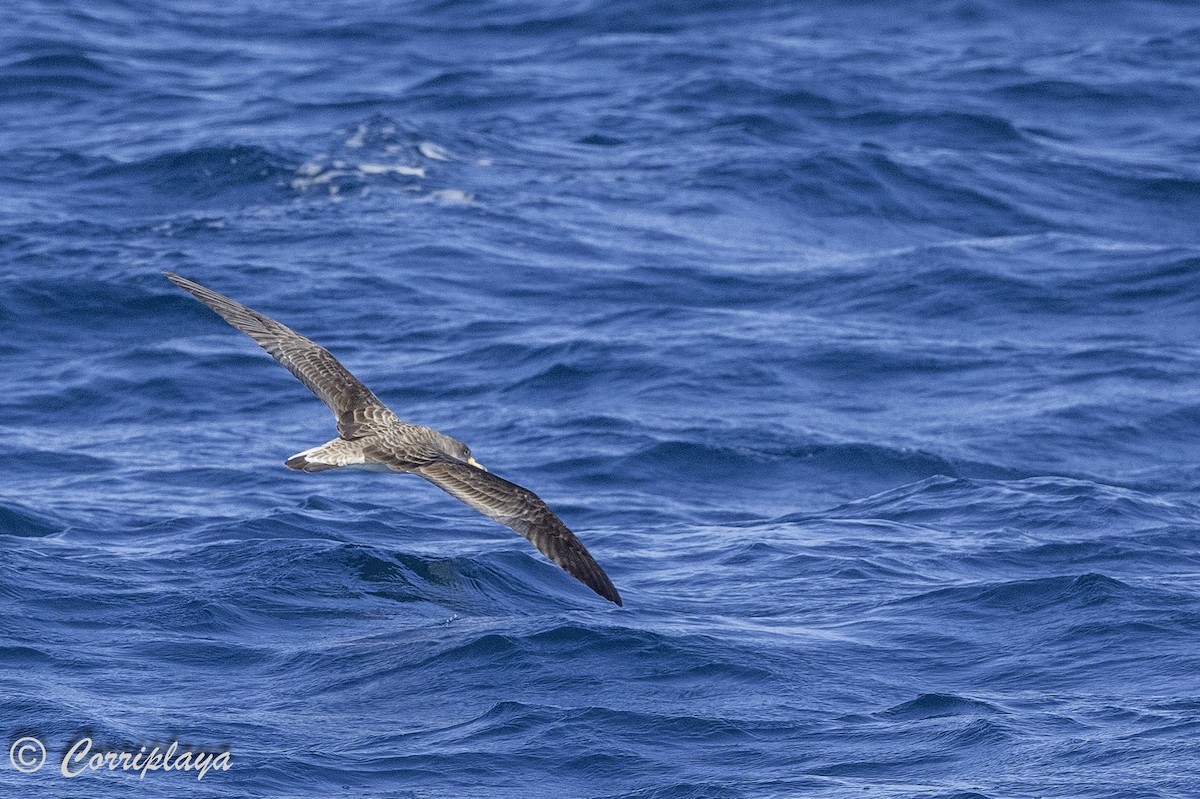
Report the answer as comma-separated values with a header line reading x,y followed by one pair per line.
x,y
523,511
352,403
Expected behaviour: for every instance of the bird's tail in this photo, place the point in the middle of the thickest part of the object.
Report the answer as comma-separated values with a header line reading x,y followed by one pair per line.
x,y
301,463
333,454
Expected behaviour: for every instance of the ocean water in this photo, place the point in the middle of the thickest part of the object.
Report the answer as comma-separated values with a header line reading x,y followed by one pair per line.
x,y
857,341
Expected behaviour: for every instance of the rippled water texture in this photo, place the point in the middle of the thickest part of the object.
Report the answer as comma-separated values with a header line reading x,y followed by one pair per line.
x,y
857,341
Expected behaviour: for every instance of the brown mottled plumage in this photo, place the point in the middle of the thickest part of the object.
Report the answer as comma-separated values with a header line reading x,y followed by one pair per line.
x,y
370,436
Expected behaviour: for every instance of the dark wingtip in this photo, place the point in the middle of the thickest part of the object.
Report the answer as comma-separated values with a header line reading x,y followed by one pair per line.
x,y
604,587
189,286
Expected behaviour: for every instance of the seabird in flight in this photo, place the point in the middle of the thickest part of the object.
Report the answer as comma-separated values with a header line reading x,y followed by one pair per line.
x,y
370,436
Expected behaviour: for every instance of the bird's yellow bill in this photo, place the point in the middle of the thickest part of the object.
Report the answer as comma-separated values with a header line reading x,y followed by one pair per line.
x,y
476,464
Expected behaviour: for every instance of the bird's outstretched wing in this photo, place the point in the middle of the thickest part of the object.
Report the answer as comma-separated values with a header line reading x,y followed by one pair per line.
x,y
354,406
523,511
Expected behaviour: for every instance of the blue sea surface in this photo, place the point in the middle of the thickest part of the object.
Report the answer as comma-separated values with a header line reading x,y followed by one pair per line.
x,y
859,342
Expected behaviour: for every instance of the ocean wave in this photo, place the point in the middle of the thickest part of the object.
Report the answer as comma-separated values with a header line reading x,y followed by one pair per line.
x,y
51,70
853,342
214,175
16,520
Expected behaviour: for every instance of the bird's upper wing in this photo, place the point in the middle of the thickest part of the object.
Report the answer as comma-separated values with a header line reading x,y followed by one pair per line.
x,y
523,511
352,403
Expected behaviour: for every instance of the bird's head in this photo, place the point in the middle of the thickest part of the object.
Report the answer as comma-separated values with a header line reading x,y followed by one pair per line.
x,y
458,450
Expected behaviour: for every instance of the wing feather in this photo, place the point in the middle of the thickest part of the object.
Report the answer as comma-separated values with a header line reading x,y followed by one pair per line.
x,y
354,406
523,511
